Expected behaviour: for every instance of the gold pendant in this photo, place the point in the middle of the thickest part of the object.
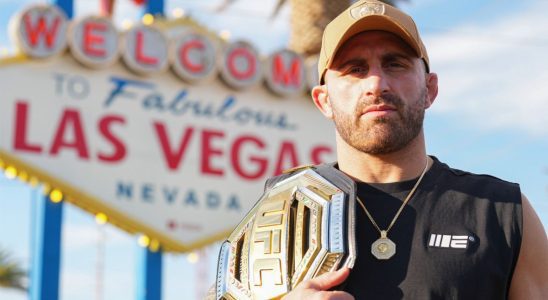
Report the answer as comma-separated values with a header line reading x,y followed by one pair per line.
x,y
383,248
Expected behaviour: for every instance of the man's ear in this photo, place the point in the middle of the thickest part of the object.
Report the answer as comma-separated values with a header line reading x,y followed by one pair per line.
x,y
321,99
432,88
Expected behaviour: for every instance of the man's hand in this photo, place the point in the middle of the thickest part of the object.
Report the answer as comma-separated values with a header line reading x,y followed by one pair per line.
x,y
317,288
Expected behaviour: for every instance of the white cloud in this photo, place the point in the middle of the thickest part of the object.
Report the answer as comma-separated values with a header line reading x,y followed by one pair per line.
x,y
495,76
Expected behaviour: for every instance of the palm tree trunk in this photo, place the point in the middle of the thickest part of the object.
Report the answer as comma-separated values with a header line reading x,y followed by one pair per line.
x,y
308,20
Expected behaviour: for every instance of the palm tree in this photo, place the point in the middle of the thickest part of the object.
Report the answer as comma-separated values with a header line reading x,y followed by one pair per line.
x,y
308,20
11,273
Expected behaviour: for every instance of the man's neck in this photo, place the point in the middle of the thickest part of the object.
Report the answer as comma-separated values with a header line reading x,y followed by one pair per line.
x,y
404,164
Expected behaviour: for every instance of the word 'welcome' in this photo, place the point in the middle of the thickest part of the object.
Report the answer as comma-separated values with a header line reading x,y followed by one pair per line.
x,y
43,31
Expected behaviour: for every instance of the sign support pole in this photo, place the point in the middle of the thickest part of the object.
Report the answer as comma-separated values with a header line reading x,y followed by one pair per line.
x,y
155,8
67,6
46,247
149,274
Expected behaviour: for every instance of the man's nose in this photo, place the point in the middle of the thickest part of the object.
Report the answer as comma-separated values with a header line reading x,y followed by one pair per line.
x,y
375,84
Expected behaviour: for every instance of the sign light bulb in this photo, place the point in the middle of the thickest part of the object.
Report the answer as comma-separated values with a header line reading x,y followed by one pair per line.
x,y
143,241
192,257
126,24
46,188
225,34
23,176
10,172
148,19
178,12
154,246
101,218
33,181
56,196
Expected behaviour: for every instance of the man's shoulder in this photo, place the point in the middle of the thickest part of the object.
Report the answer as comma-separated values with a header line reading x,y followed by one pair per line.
x,y
476,183
469,175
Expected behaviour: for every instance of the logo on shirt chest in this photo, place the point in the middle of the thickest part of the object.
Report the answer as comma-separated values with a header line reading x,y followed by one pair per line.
x,y
450,241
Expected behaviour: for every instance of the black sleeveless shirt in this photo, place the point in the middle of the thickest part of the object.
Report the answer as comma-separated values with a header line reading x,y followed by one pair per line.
x,y
458,238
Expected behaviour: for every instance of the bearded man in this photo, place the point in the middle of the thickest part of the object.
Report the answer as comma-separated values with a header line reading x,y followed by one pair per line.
x,y
421,229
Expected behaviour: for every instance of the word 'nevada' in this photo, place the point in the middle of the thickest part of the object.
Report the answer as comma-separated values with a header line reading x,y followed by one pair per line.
x,y
43,31
148,193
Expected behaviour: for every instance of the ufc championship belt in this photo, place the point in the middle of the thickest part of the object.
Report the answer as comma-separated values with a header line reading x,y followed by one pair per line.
x,y
302,227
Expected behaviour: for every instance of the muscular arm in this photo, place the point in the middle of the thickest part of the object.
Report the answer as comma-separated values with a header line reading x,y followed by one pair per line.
x,y
530,280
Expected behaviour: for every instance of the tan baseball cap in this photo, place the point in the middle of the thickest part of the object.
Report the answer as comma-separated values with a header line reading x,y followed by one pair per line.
x,y
367,15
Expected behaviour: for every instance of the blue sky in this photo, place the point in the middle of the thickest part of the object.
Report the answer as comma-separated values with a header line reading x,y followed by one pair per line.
x,y
489,118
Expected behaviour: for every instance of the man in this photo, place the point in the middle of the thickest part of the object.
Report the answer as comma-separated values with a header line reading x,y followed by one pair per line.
x,y
423,229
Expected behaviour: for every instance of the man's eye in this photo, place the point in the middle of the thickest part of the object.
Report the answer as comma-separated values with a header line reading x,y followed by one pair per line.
x,y
395,65
357,70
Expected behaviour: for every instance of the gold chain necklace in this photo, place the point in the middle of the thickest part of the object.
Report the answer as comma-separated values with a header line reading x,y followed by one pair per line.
x,y
384,248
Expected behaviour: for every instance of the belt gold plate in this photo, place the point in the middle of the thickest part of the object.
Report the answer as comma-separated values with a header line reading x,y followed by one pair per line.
x,y
299,229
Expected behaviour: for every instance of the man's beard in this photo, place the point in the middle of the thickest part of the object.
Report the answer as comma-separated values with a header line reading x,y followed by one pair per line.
x,y
382,135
